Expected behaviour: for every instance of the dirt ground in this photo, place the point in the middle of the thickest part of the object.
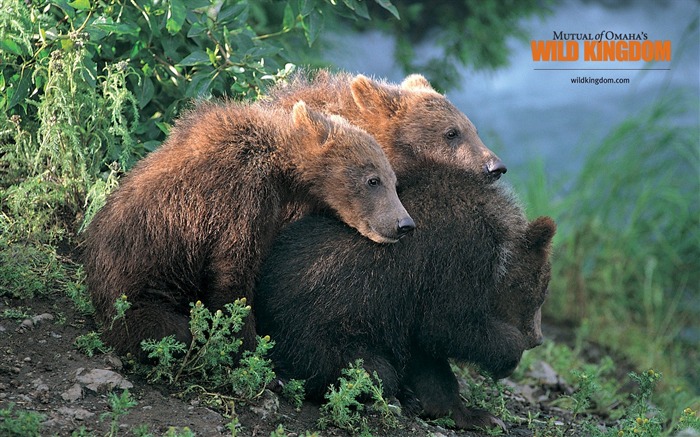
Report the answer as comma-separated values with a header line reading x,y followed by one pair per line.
x,y
42,371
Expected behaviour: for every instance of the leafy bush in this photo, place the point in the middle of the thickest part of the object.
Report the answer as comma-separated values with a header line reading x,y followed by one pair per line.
x,y
88,87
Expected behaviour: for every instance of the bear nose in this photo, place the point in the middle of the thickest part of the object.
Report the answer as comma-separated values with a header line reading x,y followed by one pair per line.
x,y
536,341
496,168
405,226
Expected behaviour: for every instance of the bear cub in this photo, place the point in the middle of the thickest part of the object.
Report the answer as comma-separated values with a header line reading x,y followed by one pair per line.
x,y
193,220
413,123
467,285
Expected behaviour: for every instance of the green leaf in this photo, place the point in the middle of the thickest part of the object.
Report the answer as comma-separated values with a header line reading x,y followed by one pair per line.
x,y
312,27
199,86
289,19
176,16
118,28
147,92
21,91
386,4
237,12
10,46
198,57
305,7
196,29
359,7
82,5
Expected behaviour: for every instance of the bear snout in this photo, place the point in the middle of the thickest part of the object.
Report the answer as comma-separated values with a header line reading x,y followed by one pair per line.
x,y
404,226
495,168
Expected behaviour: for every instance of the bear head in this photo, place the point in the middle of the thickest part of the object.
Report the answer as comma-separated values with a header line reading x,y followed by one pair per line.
x,y
415,124
346,169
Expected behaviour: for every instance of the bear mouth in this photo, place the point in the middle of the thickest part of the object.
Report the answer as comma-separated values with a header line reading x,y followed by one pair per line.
x,y
378,237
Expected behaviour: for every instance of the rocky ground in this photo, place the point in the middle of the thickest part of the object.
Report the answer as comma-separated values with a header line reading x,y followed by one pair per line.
x,y
41,371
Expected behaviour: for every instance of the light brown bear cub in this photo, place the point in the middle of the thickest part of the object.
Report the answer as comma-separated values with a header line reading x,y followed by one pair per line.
x,y
194,219
414,124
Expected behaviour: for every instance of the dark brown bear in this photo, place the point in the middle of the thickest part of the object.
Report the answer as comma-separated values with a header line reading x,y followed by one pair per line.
x,y
412,122
193,220
468,285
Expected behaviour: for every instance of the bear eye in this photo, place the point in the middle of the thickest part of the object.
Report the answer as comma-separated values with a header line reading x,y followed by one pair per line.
x,y
452,134
373,182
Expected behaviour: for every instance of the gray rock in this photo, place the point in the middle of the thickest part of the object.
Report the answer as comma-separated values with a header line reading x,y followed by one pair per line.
x,y
101,380
73,394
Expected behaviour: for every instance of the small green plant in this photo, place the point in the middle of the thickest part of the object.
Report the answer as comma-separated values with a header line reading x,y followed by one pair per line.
x,y
344,405
77,292
279,432
207,364
642,419
20,423
119,404
485,393
254,371
18,313
294,392
184,432
142,431
165,351
121,305
90,343
689,419
587,385
444,422
82,432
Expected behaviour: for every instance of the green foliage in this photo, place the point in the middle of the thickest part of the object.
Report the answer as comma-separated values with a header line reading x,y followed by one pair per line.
x,y
77,292
19,423
165,351
689,419
119,406
184,432
471,33
29,270
294,392
15,313
207,363
90,343
253,372
120,307
344,405
485,393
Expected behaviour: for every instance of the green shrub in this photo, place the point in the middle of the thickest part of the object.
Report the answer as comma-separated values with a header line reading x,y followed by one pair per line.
x,y
344,403
19,423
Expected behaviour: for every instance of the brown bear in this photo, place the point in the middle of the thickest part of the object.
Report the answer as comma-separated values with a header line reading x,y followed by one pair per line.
x,y
193,220
467,284
412,122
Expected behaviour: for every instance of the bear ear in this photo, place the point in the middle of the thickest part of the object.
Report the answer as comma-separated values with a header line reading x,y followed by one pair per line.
x,y
372,96
539,234
313,123
416,82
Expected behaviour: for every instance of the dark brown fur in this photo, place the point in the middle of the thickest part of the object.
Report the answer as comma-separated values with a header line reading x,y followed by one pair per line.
x,y
193,220
468,285
412,122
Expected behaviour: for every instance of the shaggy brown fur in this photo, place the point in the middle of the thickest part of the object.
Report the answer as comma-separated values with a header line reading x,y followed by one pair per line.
x,y
412,122
468,285
193,220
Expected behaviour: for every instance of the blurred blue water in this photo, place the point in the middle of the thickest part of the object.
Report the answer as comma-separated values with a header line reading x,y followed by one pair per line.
x,y
525,114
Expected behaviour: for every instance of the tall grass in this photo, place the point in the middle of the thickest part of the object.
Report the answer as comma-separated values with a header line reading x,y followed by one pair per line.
x,y
627,253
